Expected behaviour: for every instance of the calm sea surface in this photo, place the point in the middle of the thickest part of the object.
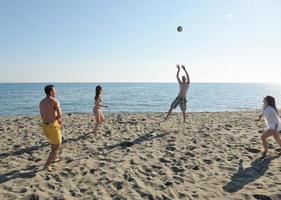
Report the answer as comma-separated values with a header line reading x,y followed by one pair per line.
x,y
23,98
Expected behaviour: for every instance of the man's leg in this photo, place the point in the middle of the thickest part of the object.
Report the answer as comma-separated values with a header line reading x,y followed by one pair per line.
x,y
52,155
56,155
174,104
183,108
168,114
264,142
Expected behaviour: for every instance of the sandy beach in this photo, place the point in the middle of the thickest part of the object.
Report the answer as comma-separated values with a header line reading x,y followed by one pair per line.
x,y
211,156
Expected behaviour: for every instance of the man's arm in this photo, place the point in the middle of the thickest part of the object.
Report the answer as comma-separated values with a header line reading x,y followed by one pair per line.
x,y
178,78
58,110
187,76
40,110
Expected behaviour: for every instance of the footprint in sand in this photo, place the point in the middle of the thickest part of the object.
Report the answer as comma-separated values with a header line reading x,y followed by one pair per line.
x,y
177,169
178,180
117,198
189,154
83,190
168,183
261,197
190,147
128,177
33,196
64,174
170,147
252,150
69,160
57,178
73,193
207,161
23,190
101,164
118,185
50,186
278,150
163,160
195,167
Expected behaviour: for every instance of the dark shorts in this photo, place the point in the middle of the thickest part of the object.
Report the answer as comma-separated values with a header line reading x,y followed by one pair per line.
x,y
179,101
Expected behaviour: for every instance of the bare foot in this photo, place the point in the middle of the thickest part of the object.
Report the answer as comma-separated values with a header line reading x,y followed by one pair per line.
x,y
264,154
166,118
48,168
56,160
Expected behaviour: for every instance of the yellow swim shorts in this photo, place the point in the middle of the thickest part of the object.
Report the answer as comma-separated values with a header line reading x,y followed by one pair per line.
x,y
53,132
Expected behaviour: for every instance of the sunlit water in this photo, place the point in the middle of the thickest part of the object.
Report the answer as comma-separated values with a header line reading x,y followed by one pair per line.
x,y
23,99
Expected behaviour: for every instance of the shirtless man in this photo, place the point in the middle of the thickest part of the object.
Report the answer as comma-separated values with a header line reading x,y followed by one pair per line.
x,y
181,98
50,112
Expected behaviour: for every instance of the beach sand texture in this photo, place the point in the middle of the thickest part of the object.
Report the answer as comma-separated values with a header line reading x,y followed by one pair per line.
x,y
211,156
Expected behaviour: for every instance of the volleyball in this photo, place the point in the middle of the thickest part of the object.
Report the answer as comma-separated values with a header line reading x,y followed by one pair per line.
x,y
179,29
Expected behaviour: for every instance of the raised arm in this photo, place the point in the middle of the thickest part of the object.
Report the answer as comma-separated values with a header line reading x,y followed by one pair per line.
x,y
178,78
187,76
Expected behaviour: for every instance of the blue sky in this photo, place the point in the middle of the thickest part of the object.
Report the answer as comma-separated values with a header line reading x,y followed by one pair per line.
x,y
137,41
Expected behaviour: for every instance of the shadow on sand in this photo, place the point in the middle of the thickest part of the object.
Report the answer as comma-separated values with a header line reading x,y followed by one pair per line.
x,y
247,175
27,150
29,171
123,145
31,149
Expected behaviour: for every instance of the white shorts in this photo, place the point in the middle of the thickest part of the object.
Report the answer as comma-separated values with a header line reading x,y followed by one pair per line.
x,y
272,127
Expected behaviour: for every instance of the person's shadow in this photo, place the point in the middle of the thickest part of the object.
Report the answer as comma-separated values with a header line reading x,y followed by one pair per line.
x,y
31,149
244,176
27,172
31,171
125,144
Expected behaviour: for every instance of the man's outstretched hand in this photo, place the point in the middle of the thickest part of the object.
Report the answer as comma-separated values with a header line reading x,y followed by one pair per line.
x,y
178,66
183,67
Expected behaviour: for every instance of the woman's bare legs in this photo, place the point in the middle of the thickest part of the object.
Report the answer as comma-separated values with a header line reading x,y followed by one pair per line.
x,y
96,129
264,136
277,138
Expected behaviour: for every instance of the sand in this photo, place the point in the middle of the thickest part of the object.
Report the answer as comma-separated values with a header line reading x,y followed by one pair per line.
x,y
211,156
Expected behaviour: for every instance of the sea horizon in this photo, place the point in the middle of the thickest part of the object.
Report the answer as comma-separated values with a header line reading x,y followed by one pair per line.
x,y
23,98
139,82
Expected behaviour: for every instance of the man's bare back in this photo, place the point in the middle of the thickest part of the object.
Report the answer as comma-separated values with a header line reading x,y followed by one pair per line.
x,y
49,107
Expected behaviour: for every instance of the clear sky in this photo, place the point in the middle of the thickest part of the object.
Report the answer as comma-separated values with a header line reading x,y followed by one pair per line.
x,y
137,41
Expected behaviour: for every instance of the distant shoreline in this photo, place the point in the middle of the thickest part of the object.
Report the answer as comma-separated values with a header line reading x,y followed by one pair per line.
x,y
125,113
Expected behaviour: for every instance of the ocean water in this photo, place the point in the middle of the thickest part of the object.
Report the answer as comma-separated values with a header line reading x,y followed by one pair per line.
x,y
23,98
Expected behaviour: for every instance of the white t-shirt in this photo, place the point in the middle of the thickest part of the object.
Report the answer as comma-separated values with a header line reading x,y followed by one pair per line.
x,y
271,118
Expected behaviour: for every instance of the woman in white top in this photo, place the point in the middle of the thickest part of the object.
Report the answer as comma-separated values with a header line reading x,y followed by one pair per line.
x,y
270,114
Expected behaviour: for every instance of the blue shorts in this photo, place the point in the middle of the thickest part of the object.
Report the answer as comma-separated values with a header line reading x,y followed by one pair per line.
x,y
179,101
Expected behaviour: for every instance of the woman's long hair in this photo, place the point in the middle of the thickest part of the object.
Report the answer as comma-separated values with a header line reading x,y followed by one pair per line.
x,y
98,91
271,102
